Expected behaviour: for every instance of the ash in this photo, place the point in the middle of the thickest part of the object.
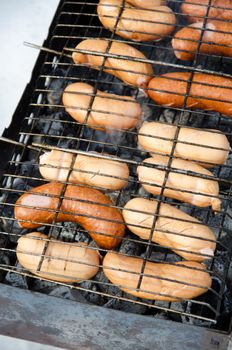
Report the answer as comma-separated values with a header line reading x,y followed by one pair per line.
x,y
70,232
16,280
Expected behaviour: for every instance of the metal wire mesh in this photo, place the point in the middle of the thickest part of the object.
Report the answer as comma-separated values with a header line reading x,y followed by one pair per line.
x,y
48,126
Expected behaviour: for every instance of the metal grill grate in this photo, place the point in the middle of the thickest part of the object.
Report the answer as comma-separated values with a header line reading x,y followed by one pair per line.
x,y
47,126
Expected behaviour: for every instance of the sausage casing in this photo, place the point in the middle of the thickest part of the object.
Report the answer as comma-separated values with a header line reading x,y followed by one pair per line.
x,y
92,171
195,190
183,280
174,229
207,92
86,206
135,23
132,72
216,40
104,111
61,262
219,9
208,147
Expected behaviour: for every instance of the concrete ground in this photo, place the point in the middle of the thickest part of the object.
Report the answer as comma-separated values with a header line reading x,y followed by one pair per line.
x,y
20,20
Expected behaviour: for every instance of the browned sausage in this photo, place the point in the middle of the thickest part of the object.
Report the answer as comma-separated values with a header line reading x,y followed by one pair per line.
x,y
86,206
160,281
220,9
216,40
208,92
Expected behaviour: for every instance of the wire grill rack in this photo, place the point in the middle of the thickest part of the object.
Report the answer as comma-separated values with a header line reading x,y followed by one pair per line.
x,y
47,126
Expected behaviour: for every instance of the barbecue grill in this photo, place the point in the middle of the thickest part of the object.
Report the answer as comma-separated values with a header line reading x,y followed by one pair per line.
x,y
92,317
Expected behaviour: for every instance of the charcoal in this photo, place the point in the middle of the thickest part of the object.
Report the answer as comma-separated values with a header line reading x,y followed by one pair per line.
x,y
191,119
67,143
179,306
54,96
173,258
162,315
30,170
227,302
161,304
126,306
68,293
16,233
213,220
185,118
4,258
42,286
224,319
117,87
212,122
188,319
129,247
113,196
3,238
131,186
20,184
81,236
167,116
92,298
226,240
221,261
69,232
8,212
143,193
148,110
124,197
13,228
160,254
112,142
225,172
16,280
105,286
50,124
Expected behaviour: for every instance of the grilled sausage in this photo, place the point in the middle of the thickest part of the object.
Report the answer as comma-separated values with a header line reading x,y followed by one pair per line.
x,y
208,92
92,171
209,147
219,9
148,4
88,207
131,72
216,40
173,228
101,110
61,262
191,189
183,280
134,23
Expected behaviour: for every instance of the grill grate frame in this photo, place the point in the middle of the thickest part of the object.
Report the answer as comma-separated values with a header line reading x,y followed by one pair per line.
x,y
39,105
